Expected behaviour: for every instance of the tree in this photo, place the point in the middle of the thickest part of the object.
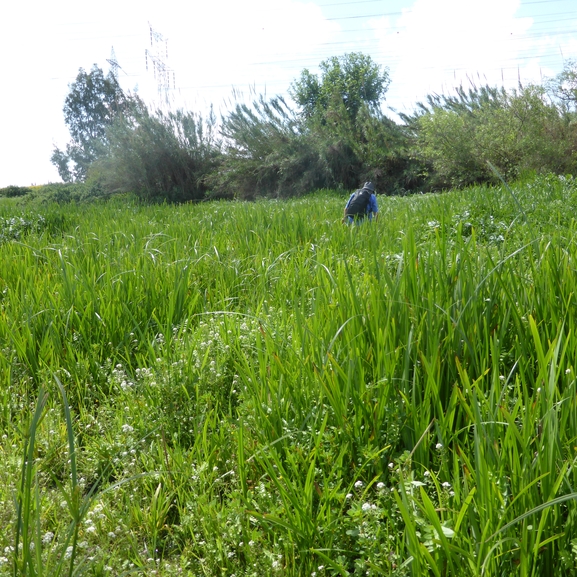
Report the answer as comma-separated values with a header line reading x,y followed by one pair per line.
x,y
348,81
92,104
338,105
564,86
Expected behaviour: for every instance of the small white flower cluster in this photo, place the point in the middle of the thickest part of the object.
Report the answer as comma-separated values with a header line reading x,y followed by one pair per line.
x,y
120,377
277,563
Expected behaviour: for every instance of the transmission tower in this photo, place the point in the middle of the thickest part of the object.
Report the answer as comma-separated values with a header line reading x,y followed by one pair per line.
x,y
114,66
158,54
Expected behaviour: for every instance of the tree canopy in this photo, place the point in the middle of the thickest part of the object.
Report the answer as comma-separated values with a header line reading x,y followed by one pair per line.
x,y
564,86
92,104
350,80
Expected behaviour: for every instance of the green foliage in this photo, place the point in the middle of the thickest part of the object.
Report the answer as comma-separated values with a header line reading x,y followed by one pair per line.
x,y
517,131
63,193
341,117
93,102
14,191
18,227
267,154
564,86
352,80
14,228
160,155
272,152
384,149
337,137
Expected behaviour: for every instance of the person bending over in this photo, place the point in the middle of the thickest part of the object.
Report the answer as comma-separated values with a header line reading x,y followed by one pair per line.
x,y
362,205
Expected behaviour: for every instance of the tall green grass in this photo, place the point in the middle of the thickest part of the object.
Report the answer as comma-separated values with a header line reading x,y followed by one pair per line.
x,y
256,389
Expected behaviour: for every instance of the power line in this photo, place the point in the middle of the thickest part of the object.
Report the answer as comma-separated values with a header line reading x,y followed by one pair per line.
x,y
541,27
381,14
365,16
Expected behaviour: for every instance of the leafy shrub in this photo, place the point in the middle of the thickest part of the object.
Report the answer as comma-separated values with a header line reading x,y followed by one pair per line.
x,y
383,149
159,155
515,131
64,193
14,191
267,154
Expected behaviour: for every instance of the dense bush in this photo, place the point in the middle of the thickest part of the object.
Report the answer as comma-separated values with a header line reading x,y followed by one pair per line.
x,y
17,227
515,131
267,154
13,191
159,155
63,193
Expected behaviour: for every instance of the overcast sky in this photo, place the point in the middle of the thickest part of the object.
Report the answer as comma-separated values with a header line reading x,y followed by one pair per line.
x,y
257,46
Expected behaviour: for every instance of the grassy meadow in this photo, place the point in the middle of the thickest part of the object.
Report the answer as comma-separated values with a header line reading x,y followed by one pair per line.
x,y
255,389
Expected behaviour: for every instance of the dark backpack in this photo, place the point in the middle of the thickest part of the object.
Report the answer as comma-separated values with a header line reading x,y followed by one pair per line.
x,y
358,205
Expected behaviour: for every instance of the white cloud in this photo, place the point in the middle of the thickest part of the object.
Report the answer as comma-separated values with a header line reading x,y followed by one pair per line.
x,y
437,45
240,44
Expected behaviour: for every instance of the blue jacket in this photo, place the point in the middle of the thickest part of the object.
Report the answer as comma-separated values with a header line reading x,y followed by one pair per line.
x,y
372,207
